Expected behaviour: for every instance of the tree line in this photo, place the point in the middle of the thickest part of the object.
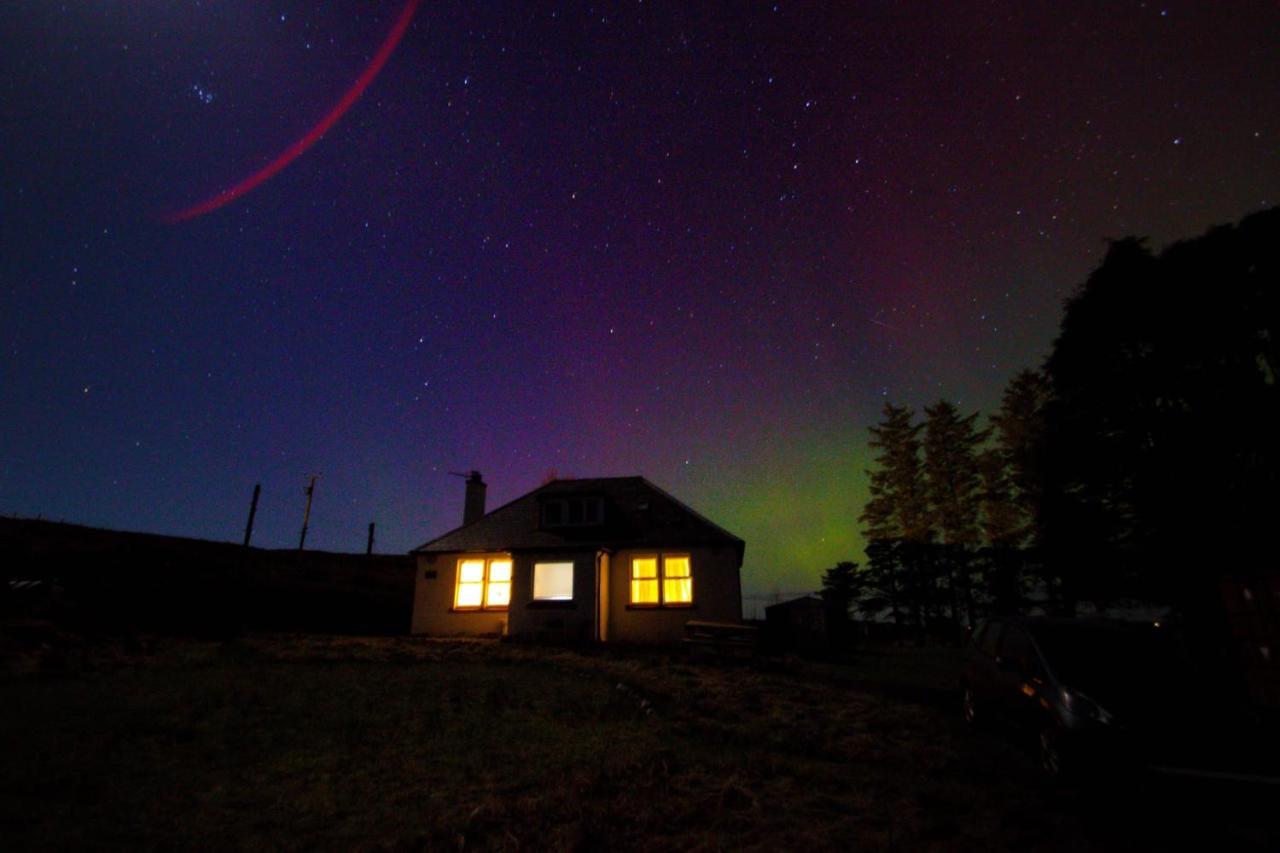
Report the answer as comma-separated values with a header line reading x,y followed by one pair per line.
x,y
1140,460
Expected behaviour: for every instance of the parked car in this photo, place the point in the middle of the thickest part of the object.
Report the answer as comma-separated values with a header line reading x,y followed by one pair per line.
x,y
1089,690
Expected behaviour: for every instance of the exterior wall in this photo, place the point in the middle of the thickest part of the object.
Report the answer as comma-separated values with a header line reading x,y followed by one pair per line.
x,y
717,596
559,621
433,591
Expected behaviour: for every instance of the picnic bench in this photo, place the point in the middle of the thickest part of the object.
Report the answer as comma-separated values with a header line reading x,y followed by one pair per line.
x,y
723,639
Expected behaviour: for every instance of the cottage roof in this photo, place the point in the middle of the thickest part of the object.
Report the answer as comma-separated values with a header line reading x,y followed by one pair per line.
x,y
637,514
804,602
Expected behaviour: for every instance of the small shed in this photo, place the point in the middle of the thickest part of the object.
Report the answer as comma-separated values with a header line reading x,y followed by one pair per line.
x,y
799,624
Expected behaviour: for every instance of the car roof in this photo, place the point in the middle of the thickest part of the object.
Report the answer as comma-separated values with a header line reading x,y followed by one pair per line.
x,y
1088,622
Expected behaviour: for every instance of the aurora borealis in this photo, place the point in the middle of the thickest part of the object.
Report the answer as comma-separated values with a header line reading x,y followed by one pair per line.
x,y
698,242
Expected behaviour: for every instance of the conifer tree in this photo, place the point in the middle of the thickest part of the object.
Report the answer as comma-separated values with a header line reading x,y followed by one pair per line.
x,y
841,587
898,507
882,584
952,481
1161,452
896,513
1013,474
1019,431
1001,522
953,485
1000,562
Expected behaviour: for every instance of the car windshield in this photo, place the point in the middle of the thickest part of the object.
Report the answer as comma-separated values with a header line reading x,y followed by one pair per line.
x,y
1097,659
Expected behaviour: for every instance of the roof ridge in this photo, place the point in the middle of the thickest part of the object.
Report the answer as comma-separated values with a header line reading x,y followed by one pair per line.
x,y
513,512
584,479
688,508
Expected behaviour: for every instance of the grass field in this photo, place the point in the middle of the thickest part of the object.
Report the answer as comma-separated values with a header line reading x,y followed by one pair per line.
x,y
407,744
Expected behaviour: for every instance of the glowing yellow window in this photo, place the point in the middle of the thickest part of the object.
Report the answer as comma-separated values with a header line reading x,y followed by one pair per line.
x,y
483,584
644,580
470,584
498,591
677,581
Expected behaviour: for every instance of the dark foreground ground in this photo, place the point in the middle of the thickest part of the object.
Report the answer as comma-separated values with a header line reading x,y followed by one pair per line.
x,y
405,744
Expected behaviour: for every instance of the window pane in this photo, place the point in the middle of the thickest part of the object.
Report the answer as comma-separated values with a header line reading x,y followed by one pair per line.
x,y
553,581
470,591
675,567
469,594
644,591
677,590
499,594
471,571
644,567
677,584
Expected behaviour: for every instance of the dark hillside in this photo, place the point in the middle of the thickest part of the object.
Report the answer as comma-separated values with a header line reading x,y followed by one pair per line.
x,y
84,578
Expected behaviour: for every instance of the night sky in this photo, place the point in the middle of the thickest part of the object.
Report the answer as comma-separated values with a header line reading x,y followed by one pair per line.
x,y
699,242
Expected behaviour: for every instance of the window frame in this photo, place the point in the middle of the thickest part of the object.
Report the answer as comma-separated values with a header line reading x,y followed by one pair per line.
x,y
660,558
484,605
656,580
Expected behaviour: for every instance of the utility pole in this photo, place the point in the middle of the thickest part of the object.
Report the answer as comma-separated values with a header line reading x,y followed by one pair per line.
x,y
253,510
306,516
368,549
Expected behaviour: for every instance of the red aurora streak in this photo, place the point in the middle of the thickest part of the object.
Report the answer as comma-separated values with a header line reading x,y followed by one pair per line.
x,y
312,136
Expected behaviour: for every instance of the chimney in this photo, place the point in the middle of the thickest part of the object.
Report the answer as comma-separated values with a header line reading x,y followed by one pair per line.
x,y
473,509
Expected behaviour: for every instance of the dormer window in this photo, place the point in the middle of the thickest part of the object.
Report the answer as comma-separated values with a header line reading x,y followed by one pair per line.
x,y
572,511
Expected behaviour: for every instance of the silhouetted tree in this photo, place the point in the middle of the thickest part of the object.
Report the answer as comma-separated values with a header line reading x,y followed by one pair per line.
x,y
1019,433
1000,561
841,587
898,506
896,515
1161,458
902,575
952,481
925,568
953,485
1001,522
880,582
1012,487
